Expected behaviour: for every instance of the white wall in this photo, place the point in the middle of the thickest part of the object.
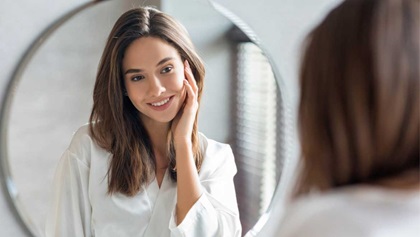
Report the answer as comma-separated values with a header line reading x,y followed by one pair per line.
x,y
280,24
20,22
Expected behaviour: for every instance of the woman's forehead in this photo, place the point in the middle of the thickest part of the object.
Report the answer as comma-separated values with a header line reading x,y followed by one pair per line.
x,y
149,51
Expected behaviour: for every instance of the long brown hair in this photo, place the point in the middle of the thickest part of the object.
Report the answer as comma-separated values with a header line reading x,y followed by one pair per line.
x,y
359,103
114,122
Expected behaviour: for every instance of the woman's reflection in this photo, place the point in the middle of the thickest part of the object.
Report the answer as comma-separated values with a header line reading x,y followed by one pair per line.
x,y
141,168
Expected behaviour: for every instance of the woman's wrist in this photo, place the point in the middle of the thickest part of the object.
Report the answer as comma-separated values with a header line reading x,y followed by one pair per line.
x,y
182,142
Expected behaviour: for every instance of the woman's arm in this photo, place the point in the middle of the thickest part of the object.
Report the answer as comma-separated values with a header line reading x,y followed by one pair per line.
x,y
188,187
215,213
205,206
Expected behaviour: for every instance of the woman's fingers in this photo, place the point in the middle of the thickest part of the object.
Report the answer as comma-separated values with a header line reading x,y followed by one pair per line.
x,y
183,123
190,76
191,94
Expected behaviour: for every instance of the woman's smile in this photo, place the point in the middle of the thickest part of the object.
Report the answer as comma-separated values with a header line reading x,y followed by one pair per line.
x,y
162,104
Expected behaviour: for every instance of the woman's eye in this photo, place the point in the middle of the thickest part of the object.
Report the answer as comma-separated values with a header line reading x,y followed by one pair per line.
x,y
166,69
137,78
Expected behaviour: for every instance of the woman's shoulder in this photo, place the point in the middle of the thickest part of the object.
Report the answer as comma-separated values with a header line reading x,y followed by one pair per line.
x,y
218,156
209,145
361,198
81,139
82,145
354,211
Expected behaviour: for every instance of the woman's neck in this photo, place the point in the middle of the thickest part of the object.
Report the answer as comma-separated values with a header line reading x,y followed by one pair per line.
x,y
158,133
408,180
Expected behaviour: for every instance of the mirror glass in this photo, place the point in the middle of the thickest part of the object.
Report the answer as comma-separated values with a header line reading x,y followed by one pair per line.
x,y
241,103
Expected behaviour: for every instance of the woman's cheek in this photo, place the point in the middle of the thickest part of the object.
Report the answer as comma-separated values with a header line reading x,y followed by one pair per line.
x,y
179,81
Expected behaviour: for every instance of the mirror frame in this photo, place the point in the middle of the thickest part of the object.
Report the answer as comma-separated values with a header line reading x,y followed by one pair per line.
x,y
10,190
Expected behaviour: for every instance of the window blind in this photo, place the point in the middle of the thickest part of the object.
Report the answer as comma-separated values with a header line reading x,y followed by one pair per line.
x,y
257,134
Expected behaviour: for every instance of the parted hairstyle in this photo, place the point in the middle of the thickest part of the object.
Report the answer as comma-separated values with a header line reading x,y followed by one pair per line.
x,y
359,102
115,123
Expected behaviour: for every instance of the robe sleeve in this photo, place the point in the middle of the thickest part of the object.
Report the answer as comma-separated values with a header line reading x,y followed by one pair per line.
x,y
70,213
215,214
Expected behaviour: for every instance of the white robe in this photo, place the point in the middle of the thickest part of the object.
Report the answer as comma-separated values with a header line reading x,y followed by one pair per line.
x,y
359,210
82,207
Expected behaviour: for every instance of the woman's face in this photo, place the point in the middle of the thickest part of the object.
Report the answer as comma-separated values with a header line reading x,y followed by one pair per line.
x,y
153,76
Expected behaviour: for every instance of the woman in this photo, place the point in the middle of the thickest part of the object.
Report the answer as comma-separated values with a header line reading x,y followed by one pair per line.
x,y
359,124
140,168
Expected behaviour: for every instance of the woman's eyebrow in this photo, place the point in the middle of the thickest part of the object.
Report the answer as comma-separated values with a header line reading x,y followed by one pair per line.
x,y
164,60
133,70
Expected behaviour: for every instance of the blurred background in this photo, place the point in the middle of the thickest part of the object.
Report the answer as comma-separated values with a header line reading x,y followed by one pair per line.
x,y
249,99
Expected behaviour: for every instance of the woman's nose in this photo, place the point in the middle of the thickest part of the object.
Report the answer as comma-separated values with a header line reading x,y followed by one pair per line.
x,y
156,88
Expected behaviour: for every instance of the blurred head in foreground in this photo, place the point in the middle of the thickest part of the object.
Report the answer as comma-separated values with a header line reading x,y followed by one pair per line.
x,y
359,104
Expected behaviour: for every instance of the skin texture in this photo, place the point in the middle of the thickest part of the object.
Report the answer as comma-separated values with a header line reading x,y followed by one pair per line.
x,y
153,72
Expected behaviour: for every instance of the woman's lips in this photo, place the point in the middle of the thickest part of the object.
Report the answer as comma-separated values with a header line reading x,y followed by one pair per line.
x,y
161,105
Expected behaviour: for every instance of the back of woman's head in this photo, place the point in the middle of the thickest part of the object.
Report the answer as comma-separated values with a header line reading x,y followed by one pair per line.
x,y
359,105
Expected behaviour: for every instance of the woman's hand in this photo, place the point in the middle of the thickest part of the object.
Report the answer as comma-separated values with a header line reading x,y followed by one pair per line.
x,y
188,183
183,122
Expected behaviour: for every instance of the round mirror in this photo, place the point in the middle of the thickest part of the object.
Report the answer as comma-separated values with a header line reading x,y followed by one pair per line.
x,y
51,96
